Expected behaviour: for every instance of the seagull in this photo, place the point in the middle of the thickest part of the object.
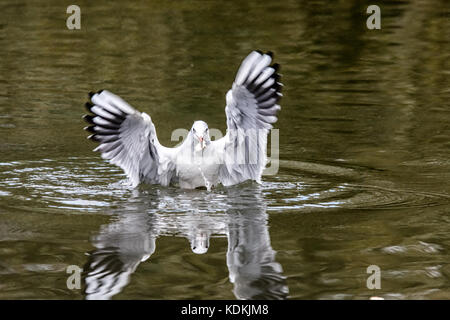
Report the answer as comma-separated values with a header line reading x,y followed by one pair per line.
x,y
127,137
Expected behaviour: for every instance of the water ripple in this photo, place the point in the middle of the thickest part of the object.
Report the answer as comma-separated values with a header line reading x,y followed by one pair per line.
x,y
323,194
91,184
75,184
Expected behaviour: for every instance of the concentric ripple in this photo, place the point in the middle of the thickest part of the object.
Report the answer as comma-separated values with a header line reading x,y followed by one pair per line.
x,y
89,184
75,183
313,186
308,197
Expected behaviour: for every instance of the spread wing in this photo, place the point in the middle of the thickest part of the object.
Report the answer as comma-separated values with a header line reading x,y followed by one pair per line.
x,y
128,139
120,247
252,106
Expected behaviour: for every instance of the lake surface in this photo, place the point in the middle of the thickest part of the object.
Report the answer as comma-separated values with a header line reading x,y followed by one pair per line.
x,y
364,156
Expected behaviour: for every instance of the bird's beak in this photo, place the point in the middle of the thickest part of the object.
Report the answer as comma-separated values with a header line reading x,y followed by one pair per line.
x,y
202,142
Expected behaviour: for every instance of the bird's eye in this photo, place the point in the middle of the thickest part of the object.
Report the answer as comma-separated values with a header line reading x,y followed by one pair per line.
x,y
193,130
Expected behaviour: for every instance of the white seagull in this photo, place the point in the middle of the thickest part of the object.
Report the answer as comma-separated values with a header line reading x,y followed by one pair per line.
x,y
128,137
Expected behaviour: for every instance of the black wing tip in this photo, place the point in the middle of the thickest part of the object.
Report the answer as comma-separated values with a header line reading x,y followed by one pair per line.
x,y
277,86
269,53
261,93
90,129
93,137
258,90
88,118
276,77
275,66
91,93
88,105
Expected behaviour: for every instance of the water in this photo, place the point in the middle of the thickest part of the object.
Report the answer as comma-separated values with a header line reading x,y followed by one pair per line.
x,y
364,152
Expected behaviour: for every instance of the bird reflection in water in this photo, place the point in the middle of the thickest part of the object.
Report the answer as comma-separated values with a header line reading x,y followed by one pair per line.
x,y
239,213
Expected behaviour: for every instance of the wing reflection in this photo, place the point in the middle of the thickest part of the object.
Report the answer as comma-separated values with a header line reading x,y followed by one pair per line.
x,y
250,257
121,246
238,213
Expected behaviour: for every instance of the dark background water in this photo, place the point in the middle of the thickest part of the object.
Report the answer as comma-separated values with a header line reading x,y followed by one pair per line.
x,y
364,151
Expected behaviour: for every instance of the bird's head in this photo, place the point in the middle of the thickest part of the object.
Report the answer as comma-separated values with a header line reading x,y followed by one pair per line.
x,y
200,242
200,133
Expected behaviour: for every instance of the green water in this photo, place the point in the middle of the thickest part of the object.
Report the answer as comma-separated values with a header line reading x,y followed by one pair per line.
x,y
364,136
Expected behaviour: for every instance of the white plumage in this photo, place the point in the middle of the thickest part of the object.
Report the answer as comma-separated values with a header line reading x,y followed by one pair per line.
x,y
128,137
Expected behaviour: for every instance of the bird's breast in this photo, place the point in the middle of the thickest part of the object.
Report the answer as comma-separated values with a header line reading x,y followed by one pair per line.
x,y
197,171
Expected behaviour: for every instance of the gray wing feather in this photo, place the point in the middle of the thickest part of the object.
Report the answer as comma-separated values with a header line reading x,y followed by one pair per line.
x,y
252,106
128,139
